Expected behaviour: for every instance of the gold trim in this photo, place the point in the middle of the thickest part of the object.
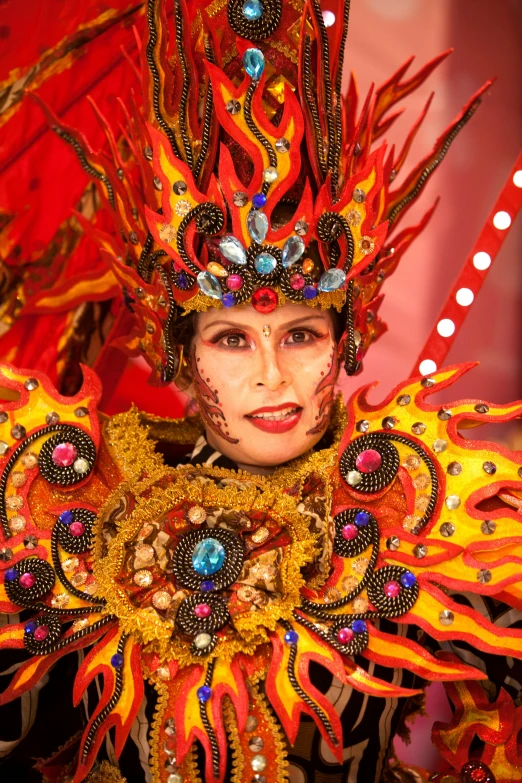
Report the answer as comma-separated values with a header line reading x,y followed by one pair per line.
x,y
106,774
201,303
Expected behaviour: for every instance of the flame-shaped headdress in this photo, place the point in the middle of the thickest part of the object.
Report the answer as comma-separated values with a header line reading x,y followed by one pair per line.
x,y
247,176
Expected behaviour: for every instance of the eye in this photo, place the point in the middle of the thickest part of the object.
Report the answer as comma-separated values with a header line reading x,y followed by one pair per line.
x,y
301,336
235,340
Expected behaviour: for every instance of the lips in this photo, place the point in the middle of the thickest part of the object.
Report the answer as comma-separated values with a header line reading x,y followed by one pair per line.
x,y
276,418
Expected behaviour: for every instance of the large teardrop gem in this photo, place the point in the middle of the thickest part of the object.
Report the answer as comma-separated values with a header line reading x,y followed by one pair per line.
x,y
254,62
292,251
233,250
257,224
209,285
332,280
265,263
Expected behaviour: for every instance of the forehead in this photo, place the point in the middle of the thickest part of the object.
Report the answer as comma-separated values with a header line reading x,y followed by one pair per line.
x,y
245,316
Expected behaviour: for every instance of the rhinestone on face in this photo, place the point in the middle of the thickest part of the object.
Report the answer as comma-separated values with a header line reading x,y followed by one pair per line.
x,y
393,543
282,145
418,428
484,576
233,107
446,617
440,445
301,228
489,467
452,502
404,399
488,527
359,195
447,529
454,468
363,425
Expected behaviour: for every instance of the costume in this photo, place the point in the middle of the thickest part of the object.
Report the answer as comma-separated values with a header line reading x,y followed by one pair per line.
x,y
220,588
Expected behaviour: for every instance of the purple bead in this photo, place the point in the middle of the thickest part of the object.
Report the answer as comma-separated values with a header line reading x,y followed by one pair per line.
x,y
359,626
11,574
228,300
362,519
408,579
31,626
66,517
204,693
259,200
207,586
182,280
117,660
309,292
291,637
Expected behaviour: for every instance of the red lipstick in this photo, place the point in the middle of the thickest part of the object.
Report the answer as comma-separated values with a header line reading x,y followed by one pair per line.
x,y
276,418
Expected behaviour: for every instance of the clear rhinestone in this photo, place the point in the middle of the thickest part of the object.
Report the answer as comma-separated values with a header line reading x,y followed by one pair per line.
x,y
182,208
256,744
444,414
31,384
363,425
30,542
3,417
481,407
52,418
4,448
440,445
301,228
259,779
18,432
454,468
17,524
488,527
484,576
332,280
257,224
359,195
282,145
233,250
233,107
446,617
452,502
157,183
240,198
357,337
427,383
147,152
251,723
169,727
209,285
489,467
270,174
404,399
5,554
447,529
412,462
254,62
389,422
81,412
418,428
353,478
170,766
134,237
143,578
258,763
60,601
293,249
179,187
175,778
420,551
140,293
393,543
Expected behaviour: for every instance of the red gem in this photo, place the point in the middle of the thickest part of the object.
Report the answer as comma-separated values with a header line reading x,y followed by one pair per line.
x,y
64,455
41,633
368,461
359,353
27,580
297,282
264,300
392,589
77,528
202,610
478,775
345,635
350,532
234,282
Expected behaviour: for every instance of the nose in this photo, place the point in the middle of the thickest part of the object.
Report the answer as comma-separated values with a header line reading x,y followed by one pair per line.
x,y
271,370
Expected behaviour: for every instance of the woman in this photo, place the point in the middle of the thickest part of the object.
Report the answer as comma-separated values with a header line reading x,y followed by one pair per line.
x,y
259,612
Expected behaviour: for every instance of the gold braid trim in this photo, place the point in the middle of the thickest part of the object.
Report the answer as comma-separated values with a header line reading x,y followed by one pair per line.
x,y
106,774
238,757
201,303
275,728
182,431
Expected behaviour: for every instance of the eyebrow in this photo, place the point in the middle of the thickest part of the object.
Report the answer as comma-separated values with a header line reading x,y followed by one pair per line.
x,y
295,322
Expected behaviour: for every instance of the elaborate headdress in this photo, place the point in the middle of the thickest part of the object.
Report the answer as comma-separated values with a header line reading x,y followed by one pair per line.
x,y
246,175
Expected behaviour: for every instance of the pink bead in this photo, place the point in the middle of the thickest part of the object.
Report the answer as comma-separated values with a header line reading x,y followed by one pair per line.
x,y
392,589
77,528
41,633
350,532
27,580
64,455
297,282
234,282
345,635
202,610
368,461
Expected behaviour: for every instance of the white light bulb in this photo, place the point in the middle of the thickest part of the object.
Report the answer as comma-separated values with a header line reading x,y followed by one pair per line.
x,y
427,366
328,18
446,327
481,260
502,220
517,178
464,297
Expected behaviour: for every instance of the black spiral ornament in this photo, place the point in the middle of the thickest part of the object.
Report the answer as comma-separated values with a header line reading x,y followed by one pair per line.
x,y
378,479
29,580
255,29
42,634
67,476
330,227
405,593
183,568
351,537
74,530
209,221
191,624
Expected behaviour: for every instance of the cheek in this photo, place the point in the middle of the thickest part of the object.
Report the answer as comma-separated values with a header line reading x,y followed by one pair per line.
x,y
227,376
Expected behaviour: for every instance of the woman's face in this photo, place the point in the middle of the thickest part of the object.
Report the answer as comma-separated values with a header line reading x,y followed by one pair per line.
x,y
264,383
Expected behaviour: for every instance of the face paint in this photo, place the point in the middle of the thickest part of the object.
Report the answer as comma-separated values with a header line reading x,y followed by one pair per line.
x,y
208,401
325,391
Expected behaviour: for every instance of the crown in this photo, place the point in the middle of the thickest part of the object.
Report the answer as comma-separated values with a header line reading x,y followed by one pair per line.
x,y
247,175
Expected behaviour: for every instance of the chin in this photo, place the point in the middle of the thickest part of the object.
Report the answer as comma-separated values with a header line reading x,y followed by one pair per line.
x,y
271,450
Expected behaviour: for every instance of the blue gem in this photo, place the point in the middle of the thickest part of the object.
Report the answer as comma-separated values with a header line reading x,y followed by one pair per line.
x,y
292,251
207,586
31,626
183,280
408,579
66,517
228,300
362,519
254,62
233,250
309,292
209,285
291,637
265,263
253,10
259,200
358,626
117,660
11,574
257,224
208,556
332,280
204,693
